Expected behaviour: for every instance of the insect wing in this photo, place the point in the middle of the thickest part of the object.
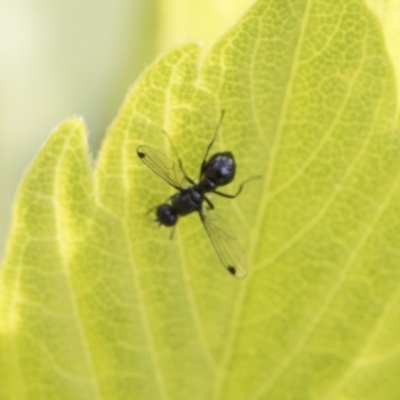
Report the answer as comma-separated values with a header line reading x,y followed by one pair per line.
x,y
163,166
225,244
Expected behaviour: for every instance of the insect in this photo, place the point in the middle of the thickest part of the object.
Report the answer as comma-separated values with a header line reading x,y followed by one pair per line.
x,y
218,170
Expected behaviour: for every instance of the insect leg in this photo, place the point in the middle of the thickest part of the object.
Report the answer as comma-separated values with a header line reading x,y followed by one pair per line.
x,y
232,196
171,236
210,204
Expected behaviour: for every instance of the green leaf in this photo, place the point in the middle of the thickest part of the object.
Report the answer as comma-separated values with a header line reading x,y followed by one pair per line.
x,y
196,20
388,14
97,303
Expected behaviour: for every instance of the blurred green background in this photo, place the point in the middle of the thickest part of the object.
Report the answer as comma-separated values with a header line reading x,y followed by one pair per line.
x,y
62,58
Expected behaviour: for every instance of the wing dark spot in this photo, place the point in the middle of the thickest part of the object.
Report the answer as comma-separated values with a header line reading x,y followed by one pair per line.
x,y
141,155
232,270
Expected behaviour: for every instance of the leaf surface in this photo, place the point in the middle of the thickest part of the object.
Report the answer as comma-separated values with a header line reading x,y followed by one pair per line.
x,y
97,303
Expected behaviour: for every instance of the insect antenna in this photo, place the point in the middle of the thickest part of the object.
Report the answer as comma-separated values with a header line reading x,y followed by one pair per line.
x,y
211,143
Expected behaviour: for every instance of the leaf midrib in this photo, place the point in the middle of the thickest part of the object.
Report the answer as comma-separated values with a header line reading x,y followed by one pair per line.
x,y
63,246
254,238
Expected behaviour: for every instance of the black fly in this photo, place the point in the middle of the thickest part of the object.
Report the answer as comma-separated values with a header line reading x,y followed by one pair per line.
x,y
218,171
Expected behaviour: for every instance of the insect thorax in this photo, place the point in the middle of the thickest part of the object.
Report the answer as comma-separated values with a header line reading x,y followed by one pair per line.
x,y
187,201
